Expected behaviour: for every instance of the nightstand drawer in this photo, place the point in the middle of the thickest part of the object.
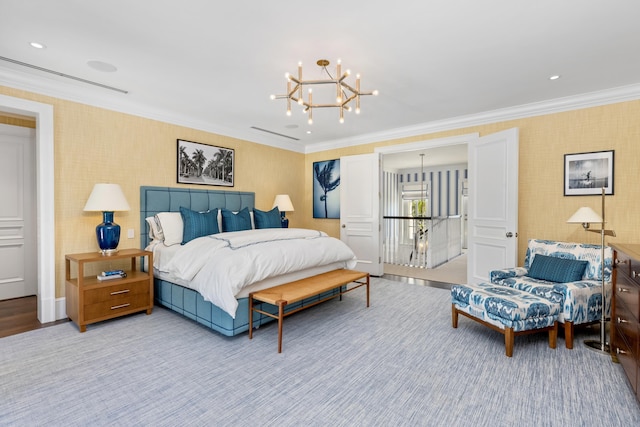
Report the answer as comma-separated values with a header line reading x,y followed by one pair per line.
x,y
108,293
115,305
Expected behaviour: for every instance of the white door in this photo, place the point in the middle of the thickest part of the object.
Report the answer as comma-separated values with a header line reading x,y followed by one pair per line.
x,y
18,258
493,204
360,214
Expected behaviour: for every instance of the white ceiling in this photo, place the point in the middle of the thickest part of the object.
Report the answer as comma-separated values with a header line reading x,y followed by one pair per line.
x,y
212,65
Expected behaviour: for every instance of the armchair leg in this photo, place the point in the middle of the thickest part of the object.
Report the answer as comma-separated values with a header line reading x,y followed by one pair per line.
x,y
454,316
568,335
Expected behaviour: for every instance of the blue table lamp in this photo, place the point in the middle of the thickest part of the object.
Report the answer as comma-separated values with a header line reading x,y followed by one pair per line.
x,y
107,198
283,202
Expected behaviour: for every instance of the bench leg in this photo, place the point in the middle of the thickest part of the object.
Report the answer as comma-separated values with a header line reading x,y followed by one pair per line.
x,y
553,335
568,335
508,341
454,316
250,316
281,305
367,289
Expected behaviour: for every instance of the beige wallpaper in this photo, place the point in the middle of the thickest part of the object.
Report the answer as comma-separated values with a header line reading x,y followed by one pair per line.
x,y
544,140
97,145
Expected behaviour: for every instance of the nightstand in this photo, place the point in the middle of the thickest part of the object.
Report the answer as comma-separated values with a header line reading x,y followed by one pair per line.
x,y
90,300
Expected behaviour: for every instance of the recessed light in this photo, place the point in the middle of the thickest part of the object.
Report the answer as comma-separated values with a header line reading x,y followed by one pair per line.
x,y
554,77
102,66
37,45
308,132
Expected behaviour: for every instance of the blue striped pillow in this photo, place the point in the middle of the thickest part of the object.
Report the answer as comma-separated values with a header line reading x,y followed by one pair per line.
x,y
236,221
198,224
269,219
554,269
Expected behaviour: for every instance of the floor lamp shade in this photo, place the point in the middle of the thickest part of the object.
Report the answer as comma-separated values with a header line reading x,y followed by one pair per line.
x,y
283,203
107,198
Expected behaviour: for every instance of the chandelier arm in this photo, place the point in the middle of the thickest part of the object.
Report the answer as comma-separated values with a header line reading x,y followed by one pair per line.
x,y
351,89
318,82
293,91
351,98
344,76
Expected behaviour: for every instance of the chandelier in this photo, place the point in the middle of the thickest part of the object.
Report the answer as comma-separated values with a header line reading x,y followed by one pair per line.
x,y
344,92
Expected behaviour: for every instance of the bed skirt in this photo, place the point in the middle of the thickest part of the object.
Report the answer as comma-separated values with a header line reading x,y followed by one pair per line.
x,y
192,305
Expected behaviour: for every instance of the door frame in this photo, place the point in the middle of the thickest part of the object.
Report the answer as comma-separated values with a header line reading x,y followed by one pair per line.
x,y
43,114
427,144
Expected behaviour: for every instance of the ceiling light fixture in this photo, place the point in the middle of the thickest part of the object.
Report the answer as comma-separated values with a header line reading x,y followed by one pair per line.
x,y
37,45
344,93
554,77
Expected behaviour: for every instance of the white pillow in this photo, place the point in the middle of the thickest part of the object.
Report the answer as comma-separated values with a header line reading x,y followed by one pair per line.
x,y
155,231
171,225
220,220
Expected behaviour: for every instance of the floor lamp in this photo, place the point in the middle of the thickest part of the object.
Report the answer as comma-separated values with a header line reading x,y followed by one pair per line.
x,y
586,215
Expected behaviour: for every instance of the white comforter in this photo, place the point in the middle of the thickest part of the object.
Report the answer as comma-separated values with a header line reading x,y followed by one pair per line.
x,y
220,265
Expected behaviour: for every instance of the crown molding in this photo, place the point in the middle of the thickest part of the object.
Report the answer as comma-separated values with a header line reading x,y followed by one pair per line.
x,y
557,105
100,98
97,98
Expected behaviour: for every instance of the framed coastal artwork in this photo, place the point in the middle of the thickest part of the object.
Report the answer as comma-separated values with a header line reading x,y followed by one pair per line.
x,y
587,173
326,189
205,164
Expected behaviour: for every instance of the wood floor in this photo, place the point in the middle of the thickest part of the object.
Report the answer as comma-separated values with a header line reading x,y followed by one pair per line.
x,y
20,315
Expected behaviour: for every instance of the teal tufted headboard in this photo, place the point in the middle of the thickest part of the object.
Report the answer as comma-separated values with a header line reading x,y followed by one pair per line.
x,y
168,199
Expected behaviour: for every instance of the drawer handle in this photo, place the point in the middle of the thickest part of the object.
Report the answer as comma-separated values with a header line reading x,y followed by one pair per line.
x,y
115,307
120,292
623,290
634,274
620,351
622,320
622,262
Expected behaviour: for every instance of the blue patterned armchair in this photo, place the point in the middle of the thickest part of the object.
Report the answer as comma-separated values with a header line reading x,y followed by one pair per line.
x,y
580,296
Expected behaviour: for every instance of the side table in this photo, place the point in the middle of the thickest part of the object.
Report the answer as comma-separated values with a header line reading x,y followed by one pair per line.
x,y
90,300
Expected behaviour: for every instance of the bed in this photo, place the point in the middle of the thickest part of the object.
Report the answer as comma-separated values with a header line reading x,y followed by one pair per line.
x,y
187,293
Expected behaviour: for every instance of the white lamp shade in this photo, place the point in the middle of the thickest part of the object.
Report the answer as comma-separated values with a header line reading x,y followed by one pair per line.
x,y
283,202
107,198
585,215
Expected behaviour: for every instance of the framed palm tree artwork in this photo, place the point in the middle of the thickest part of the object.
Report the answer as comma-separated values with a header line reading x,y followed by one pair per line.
x,y
205,164
326,189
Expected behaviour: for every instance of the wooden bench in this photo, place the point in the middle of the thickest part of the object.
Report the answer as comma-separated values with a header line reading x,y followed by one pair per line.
x,y
292,292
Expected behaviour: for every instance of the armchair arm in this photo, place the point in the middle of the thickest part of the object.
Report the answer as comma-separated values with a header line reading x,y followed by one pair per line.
x,y
497,276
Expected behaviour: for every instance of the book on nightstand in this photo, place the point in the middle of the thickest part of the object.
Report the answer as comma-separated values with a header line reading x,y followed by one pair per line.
x,y
112,272
111,276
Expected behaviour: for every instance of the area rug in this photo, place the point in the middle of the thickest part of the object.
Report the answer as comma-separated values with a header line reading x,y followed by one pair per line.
x,y
398,362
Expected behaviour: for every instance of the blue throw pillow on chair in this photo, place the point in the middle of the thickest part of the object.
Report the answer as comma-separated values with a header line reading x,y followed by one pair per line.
x,y
553,269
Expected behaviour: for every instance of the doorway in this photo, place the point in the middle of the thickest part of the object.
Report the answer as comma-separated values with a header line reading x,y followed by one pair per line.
x,y
444,200
43,115
17,213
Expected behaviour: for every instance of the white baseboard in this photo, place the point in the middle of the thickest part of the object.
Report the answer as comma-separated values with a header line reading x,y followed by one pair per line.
x,y
61,308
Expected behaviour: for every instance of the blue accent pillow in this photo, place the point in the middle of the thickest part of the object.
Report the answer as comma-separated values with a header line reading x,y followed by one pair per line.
x,y
198,224
553,269
236,221
269,219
